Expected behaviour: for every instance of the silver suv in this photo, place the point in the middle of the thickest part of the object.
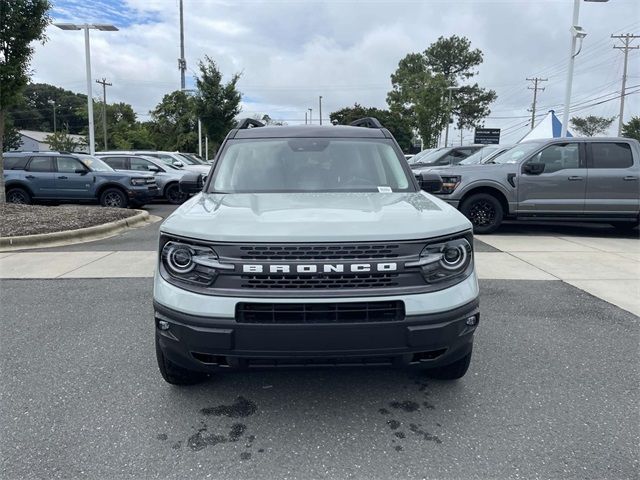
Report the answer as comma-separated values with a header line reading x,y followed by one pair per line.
x,y
568,179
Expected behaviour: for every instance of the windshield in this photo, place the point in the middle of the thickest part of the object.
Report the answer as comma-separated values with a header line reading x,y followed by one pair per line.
x,y
515,154
193,159
480,155
95,164
432,157
310,165
417,158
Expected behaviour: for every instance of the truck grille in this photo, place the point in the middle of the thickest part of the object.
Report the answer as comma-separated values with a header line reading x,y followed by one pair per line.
x,y
318,252
367,280
356,312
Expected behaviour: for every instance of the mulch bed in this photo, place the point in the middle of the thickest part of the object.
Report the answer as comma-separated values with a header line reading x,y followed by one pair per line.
x,y
18,220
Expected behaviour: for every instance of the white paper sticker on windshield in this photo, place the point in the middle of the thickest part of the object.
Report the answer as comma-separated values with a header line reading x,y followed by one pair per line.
x,y
385,189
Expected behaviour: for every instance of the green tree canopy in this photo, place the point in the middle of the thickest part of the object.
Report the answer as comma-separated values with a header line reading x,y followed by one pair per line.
x,y
61,141
174,122
393,121
592,125
631,129
21,23
420,88
217,104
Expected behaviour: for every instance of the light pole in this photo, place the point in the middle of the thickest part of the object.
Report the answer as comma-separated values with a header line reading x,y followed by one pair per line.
x,y
55,125
446,134
86,27
577,32
320,111
310,112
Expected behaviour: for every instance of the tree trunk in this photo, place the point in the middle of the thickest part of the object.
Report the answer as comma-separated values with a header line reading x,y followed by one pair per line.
x,y
2,192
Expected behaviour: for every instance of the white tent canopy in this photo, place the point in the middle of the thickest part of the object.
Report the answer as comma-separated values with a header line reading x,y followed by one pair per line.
x,y
549,127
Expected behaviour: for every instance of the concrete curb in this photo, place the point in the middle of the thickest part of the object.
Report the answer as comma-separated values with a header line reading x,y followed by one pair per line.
x,y
80,235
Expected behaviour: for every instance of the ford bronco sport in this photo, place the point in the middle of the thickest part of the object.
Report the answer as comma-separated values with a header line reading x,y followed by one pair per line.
x,y
313,245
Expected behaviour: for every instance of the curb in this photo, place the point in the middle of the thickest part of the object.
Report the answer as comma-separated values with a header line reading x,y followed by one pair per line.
x,y
79,235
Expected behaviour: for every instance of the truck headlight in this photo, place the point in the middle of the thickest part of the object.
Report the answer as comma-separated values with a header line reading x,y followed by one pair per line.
x,y
446,260
449,184
138,182
190,263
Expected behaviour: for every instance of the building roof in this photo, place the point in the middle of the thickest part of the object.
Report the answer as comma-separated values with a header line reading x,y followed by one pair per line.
x,y
41,136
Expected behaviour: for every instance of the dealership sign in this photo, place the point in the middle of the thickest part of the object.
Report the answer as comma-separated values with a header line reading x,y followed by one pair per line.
x,y
487,136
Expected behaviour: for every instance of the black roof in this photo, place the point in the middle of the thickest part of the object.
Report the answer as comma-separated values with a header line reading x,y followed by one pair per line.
x,y
312,131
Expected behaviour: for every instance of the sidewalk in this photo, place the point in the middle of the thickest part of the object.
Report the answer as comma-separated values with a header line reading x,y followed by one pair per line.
x,y
607,268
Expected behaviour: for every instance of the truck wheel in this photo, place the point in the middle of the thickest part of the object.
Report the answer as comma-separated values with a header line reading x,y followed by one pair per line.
x,y
173,194
453,371
19,195
174,374
113,197
484,211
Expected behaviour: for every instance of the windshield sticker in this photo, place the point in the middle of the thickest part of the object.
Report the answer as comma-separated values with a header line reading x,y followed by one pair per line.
x,y
385,189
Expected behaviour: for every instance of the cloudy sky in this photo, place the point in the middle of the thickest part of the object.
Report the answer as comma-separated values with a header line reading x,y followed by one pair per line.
x,y
291,51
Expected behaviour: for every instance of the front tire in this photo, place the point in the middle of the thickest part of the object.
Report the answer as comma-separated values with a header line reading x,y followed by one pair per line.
x,y
453,371
114,198
175,374
484,211
19,196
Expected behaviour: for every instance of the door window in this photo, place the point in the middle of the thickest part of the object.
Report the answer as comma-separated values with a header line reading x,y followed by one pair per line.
x,y
117,163
68,165
140,164
41,164
454,156
611,155
558,157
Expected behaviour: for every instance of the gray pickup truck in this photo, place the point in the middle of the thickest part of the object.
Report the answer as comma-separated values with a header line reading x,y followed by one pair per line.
x,y
568,179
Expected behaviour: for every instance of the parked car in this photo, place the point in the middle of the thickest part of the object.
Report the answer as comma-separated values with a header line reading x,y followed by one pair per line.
x,y
313,245
445,156
416,158
195,158
484,155
567,179
73,177
169,158
167,176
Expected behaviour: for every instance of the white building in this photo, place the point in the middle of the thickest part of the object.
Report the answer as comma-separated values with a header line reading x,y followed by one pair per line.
x,y
33,141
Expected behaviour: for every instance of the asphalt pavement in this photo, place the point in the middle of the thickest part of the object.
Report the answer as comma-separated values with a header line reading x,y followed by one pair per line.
x,y
552,392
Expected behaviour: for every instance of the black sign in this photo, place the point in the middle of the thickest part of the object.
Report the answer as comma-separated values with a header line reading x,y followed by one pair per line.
x,y
487,136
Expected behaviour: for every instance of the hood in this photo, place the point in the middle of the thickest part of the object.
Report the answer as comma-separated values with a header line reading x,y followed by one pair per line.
x,y
314,217
459,169
198,168
124,173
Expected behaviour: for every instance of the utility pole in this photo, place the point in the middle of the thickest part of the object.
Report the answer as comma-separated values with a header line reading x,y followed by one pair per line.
x,y
626,46
535,89
310,112
55,125
104,84
306,121
446,134
182,63
320,105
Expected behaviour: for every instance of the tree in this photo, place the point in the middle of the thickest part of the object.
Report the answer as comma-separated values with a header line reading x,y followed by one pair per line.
x,y
393,121
12,140
175,122
217,104
631,129
592,125
420,88
61,141
21,23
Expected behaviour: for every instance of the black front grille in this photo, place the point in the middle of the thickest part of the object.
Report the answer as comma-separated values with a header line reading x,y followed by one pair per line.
x,y
319,252
354,280
355,312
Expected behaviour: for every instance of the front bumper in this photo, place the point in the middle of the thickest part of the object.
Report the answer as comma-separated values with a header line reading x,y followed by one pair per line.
x,y
208,342
143,194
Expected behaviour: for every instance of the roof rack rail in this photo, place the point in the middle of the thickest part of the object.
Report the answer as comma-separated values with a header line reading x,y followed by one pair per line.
x,y
367,122
249,123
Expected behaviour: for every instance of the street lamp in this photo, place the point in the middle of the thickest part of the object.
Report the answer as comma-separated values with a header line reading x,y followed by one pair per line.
x,y
86,27
577,33
320,105
310,112
55,127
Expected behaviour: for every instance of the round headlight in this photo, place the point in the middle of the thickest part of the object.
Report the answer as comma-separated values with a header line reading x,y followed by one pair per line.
x,y
453,257
180,258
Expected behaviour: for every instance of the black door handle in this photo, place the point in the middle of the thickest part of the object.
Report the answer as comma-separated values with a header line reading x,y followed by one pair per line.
x,y
630,178
575,178
30,177
62,177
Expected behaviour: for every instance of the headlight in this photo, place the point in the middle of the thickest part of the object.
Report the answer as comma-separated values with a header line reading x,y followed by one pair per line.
x,y
446,260
137,182
193,264
449,184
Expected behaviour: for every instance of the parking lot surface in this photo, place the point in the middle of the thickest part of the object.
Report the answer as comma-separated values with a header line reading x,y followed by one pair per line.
x,y
552,393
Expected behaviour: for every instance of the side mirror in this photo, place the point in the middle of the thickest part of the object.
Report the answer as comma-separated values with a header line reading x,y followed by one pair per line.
x,y
191,183
153,168
178,163
429,182
81,171
534,168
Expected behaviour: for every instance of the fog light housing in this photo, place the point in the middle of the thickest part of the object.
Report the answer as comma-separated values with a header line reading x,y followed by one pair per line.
x,y
163,325
472,321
